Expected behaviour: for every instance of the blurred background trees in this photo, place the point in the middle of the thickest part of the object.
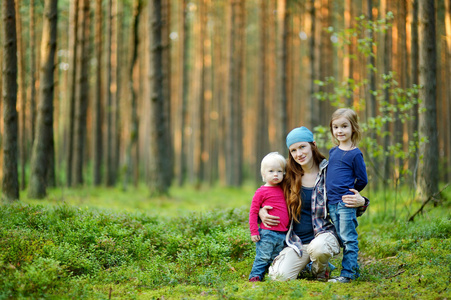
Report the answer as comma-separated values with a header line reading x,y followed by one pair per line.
x,y
197,92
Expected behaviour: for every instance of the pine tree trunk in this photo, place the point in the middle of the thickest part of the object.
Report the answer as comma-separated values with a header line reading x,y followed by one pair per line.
x,y
32,71
183,96
72,83
231,109
448,75
42,145
261,127
313,46
21,95
97,107
428,168
10,184
110,178
159,154
82,93
132,150
281,93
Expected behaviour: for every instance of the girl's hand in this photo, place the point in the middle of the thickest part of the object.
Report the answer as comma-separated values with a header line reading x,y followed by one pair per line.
x,y
255,238
267,219
355,200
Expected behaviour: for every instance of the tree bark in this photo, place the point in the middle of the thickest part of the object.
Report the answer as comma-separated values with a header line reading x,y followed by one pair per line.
x,y
428,168
21,95
159,152
10,184
281,93
183,93
132,150
110,176
42,145
32,71
72,82
82,93
97,149
261,105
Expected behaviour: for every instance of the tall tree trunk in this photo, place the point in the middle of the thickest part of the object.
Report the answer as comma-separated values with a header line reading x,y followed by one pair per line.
x,y
428,174
167,66
261,105
97,149
314,103
110,176
281,104
10,183
21,95
132,150
72,83
448,75
82,93
230,111
117,46
159,154
385,7
371,107
415,62
32,71
183,95
42,145
239,78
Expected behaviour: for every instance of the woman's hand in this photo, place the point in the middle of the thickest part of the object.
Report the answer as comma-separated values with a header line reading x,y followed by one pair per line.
x,y
267,219
355,200
255,238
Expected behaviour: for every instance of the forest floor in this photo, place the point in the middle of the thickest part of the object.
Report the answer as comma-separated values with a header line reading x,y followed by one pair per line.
x,y
97,243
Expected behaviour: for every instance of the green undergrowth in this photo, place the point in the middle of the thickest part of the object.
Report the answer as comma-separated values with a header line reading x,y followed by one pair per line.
x,y
110,244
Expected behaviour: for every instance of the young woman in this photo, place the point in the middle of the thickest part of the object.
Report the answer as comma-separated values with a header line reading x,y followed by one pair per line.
x,y
311,236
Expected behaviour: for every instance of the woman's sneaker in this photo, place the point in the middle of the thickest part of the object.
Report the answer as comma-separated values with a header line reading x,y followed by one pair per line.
x,y
340,279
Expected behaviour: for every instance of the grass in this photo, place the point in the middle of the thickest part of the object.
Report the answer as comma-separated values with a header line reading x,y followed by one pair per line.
x,y
97,243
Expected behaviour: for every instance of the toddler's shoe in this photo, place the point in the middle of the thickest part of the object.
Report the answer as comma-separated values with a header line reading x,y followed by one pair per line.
x,y
254,279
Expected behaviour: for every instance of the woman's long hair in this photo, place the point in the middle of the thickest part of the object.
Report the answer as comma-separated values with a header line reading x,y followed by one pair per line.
x,y
293,182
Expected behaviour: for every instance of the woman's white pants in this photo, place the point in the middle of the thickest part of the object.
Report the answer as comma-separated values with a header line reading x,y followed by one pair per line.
x,y
288,263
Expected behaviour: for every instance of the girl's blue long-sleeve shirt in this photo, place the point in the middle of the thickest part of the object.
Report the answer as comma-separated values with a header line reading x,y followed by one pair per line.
x,y
346,171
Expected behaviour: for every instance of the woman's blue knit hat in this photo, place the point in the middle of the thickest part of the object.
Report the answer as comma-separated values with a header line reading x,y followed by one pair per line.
x,y
300,134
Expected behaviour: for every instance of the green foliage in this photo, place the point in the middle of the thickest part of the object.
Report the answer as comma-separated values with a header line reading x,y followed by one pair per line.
x,y
396,104
52,250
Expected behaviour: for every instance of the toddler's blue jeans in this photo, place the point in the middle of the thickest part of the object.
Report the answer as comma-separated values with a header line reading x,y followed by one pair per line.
x,y
269,246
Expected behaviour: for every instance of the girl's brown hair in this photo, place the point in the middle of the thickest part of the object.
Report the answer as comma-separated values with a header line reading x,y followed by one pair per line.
x,y
352,117
292,184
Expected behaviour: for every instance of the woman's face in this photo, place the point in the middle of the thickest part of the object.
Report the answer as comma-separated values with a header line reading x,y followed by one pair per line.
x,y
302,153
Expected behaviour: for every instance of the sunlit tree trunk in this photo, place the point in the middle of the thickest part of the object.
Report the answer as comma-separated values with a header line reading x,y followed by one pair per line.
x,y
97,145
371,106
73,42
159,154
10,181
234,129
42,146
282,61
32,68
82,93
428,168
21,95
448,95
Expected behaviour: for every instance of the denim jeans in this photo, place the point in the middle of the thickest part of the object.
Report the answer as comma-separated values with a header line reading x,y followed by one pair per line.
x,y
269,246
345,222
